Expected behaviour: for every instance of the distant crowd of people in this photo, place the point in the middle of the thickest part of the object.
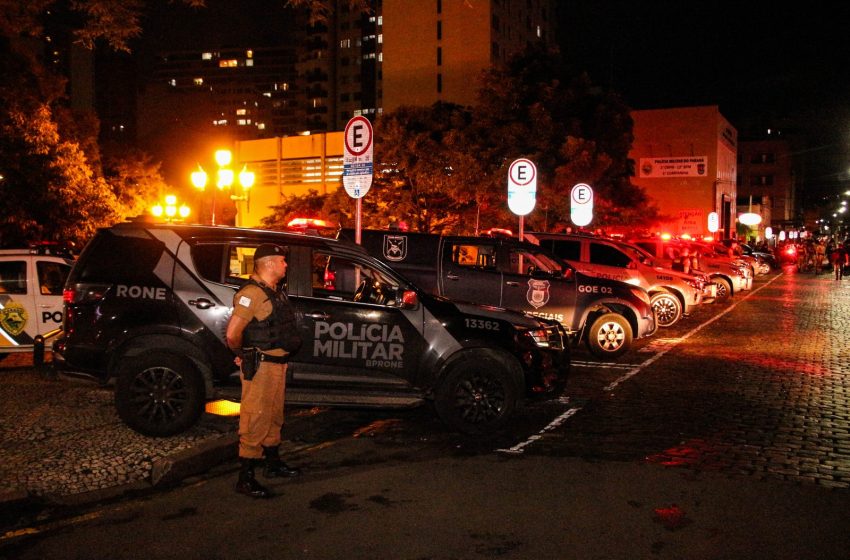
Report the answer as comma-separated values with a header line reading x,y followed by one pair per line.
x,y
813,255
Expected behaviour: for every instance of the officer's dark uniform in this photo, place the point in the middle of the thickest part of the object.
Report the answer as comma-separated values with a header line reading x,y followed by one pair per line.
x,y
271,328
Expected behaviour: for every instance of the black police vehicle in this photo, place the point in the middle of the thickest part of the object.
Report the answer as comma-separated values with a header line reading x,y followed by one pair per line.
x,y
148,305
607,314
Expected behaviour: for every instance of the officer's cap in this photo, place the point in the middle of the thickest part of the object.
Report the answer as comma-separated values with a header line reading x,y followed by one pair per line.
x,y
268,250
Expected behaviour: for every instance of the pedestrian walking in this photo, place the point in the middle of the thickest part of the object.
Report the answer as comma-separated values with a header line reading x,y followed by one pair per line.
x,y
263,333
838,257
820,255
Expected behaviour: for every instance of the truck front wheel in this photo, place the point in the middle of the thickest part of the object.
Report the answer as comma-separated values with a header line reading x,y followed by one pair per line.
x,y
609,336
479,392
159,394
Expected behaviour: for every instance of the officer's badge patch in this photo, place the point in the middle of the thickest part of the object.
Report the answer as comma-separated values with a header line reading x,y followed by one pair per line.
x,y
538,293
244,301
13,318
395,247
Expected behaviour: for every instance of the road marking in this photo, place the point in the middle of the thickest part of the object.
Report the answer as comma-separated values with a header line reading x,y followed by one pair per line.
x,y
519,448
601,365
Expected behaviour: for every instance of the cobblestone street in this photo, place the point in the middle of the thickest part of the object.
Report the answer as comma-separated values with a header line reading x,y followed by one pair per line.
x,y
62,437
763,391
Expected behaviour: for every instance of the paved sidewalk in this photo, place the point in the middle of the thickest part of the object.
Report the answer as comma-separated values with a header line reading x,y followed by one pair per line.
x,y
62,441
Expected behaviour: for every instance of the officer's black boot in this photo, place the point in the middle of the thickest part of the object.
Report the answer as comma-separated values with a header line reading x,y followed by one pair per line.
x,y
275,467
247,484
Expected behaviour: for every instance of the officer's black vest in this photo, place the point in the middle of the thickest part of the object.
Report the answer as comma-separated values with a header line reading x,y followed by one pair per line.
x,y
278,330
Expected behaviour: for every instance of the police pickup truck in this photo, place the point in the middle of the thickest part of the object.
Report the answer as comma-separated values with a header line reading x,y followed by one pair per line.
x,y
607,314
148,305
673,294
31,283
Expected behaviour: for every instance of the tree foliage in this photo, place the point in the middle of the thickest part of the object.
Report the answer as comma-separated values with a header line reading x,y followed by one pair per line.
x,y
54,185
536,107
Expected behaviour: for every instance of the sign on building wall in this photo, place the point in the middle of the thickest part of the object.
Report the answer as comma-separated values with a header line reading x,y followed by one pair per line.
x,y
691,221
659,168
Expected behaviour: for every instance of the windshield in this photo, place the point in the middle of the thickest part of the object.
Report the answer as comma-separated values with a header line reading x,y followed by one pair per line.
x,y
642,256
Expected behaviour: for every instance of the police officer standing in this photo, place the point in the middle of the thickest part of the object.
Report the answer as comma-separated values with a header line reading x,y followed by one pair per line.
x,y
262,332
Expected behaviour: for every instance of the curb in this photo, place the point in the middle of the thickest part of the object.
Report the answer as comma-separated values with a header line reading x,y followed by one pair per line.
x,y
194,461
165,471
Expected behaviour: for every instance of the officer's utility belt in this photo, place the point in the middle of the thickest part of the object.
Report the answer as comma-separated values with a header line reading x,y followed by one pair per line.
x,y
273,359
251,358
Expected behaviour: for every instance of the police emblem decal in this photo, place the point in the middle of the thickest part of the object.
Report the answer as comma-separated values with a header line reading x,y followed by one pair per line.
x,y
538,293
395,247
13,318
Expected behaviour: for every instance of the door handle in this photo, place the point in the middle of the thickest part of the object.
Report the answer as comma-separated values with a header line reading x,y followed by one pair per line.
x,y
322,316
512,284
451,276
201,303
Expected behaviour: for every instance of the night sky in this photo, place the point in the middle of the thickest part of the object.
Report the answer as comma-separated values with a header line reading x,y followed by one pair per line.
x,y
764,65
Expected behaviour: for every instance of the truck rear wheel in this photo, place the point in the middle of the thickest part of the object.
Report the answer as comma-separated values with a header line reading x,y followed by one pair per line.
x,y
479,392
159,394
609,336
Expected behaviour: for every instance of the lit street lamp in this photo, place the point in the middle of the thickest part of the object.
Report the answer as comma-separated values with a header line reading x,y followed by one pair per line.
x,y
225,177
170,209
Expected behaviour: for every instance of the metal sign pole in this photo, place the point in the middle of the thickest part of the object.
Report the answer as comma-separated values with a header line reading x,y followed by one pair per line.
x,y
357,224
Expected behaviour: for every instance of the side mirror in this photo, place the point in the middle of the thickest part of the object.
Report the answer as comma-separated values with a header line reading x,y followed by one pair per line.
x,y
569,274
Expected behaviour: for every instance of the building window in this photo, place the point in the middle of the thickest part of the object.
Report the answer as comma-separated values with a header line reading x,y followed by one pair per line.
x,y
761,180
249,62
439,83
345,44
763,158
439,30
380,57
198,81
344,96
206,56
495,22
230,63
249,54
439,6
494,49
439,56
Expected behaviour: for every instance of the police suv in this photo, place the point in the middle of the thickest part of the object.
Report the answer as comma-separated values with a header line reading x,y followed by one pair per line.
x,y
31,282
148,305
606,314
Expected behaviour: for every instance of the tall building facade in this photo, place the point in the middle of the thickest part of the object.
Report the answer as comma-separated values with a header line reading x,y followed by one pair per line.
x,y
247,92
410,52
765,173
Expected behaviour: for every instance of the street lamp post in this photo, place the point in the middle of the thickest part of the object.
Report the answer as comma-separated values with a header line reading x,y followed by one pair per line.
x,y
225,177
